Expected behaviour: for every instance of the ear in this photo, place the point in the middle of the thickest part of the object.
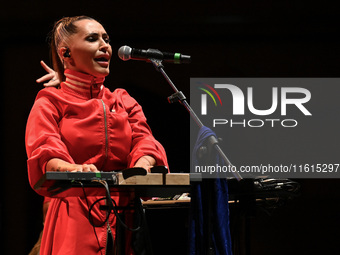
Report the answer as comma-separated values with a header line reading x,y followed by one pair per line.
x,y
62,52
65,55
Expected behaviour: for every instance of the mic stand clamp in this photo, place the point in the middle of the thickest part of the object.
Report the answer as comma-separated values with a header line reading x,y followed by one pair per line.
x,y
177,96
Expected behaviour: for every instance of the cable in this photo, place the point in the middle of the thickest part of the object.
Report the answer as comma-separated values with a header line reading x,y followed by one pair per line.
x,y
120,220
90,215
112,206
94,229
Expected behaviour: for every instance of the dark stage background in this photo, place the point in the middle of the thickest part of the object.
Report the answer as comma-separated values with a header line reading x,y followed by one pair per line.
x,y
225,39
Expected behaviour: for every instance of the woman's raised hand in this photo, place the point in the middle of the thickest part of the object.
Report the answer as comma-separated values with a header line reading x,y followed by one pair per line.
x,y
51,76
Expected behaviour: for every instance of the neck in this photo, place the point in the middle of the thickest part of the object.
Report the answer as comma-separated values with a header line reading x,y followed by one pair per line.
x,y
83,83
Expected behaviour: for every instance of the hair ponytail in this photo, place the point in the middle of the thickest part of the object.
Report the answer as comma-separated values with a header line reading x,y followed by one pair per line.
x,y
60,34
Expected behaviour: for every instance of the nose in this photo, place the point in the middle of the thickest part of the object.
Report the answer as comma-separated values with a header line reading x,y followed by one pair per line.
x,y
104,45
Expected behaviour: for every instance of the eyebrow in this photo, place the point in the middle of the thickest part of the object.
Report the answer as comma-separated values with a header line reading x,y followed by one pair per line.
x,y
96,34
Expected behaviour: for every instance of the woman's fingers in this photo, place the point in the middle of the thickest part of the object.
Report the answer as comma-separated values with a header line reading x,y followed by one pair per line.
x,y
89,168
51,79
46,77
46,67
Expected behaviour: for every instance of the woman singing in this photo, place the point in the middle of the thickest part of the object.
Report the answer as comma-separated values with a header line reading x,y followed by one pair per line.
x,y
83,126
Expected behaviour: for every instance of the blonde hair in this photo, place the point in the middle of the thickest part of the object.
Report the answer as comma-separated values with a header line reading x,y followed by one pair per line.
x,y
60,33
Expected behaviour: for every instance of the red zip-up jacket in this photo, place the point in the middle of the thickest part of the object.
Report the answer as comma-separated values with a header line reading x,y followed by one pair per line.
x,y
84,123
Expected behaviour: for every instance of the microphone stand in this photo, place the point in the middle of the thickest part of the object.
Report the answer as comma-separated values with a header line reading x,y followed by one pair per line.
x,y
211,142
179,96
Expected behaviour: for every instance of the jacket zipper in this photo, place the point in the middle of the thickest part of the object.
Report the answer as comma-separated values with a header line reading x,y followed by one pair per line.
x,y
109,233
106,134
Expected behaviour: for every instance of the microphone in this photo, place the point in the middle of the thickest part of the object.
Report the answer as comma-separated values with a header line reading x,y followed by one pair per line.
x,y
126,53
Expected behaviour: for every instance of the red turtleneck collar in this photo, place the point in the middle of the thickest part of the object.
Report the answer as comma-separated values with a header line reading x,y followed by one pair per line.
x,y
83,84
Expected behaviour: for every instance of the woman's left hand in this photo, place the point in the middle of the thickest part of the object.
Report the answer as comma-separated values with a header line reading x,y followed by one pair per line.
x,y
146,162
51,77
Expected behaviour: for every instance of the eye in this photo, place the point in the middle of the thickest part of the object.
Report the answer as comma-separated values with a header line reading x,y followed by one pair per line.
x,y
91,38
106,38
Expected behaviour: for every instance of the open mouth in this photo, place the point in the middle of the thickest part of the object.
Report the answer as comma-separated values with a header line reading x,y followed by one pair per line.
x,y
102,59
